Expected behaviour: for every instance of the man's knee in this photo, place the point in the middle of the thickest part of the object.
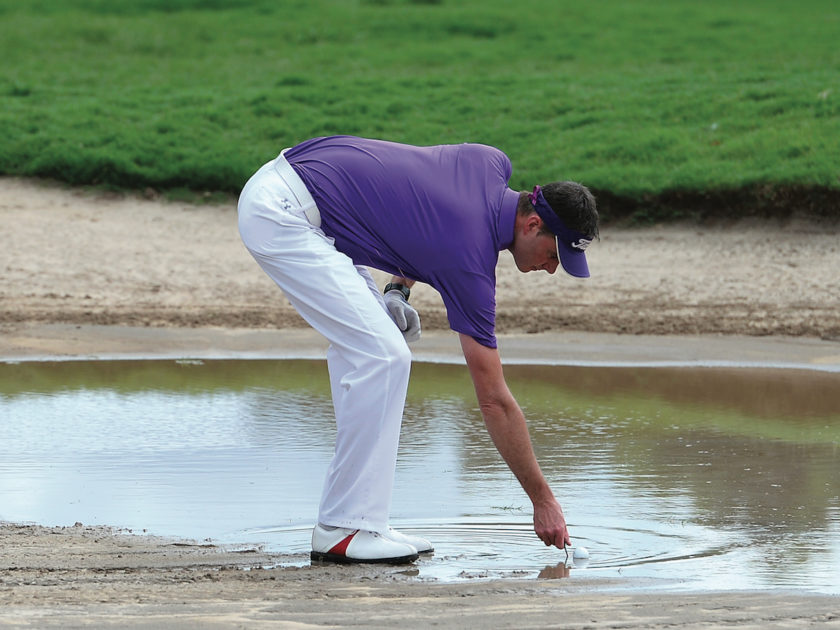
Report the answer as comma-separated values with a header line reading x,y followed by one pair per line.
x,y
396,353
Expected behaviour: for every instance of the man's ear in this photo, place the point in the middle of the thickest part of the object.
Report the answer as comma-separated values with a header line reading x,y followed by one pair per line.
x,y
533,222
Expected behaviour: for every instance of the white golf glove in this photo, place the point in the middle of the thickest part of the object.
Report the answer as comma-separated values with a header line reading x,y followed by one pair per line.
x,y
403,314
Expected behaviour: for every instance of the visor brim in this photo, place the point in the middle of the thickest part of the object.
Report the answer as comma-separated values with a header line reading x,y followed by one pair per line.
x,y
572,260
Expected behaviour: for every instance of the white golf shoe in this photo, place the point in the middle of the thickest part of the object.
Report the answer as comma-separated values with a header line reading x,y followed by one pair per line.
x,y
420,544
357,545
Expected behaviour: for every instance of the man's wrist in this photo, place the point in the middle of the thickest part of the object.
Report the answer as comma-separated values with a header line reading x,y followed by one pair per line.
x,y
541,495
395,286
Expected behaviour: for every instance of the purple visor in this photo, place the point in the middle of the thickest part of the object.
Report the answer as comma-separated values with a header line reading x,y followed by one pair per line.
x,y
570,243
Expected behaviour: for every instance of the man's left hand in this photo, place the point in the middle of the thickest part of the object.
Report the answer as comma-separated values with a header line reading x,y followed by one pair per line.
x,y
405,317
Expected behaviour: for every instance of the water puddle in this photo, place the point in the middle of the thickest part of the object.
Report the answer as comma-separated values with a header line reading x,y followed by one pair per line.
x,y
686,477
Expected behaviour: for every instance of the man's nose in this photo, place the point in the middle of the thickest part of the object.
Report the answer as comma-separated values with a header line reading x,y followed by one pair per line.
x,y
551,266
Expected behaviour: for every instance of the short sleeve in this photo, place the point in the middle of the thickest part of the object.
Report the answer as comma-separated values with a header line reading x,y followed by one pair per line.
x,y
470,300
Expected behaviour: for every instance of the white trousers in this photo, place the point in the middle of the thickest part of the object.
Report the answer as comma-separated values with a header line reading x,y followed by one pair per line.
x,y
368,358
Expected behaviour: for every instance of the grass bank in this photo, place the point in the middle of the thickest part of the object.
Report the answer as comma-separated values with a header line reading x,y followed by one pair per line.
x,y
662,107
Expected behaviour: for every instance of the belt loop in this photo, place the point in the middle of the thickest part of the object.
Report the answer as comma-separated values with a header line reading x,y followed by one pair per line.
x,y
296,185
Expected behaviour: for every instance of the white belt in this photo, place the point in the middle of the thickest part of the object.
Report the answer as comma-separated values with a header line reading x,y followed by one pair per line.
x,y
298,188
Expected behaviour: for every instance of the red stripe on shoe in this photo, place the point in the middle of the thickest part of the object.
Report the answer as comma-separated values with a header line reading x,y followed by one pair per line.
x,y
341,548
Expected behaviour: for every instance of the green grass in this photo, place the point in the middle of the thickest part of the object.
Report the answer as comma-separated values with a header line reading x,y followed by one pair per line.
x,y
642,100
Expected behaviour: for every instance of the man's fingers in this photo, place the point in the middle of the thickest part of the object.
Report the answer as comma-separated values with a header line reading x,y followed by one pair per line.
x,y
557,538
550,525
412,331
403,315
398,315
412,320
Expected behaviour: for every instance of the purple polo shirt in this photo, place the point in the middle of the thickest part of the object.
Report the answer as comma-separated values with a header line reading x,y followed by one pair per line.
x,y
438,215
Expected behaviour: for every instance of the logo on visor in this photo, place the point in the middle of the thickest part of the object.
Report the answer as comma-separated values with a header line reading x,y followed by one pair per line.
x,y
582,243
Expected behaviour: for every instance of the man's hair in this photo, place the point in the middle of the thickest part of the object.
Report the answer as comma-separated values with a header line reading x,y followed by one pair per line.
x,y
572,202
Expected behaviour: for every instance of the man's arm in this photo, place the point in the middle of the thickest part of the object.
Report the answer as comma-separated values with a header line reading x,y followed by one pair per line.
x,y
404,281
506,424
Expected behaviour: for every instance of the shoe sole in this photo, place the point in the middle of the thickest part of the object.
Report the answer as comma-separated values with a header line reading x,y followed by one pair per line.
x,y
319,556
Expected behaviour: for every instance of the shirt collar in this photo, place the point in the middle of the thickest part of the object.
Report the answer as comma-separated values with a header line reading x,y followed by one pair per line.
x,y
506,219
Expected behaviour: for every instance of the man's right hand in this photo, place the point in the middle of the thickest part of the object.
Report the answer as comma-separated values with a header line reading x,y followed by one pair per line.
x,y
550,524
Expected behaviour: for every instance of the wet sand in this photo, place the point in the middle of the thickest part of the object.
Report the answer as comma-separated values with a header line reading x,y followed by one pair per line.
x,y
92,275
94,577
37,341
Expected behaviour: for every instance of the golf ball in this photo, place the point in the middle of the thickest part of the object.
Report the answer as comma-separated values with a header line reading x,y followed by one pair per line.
x,y
581,553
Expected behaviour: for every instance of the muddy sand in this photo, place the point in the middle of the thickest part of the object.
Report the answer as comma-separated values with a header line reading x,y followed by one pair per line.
x,y
88,274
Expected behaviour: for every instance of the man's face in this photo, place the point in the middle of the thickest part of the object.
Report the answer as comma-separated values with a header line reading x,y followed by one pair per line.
x,y
534,251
